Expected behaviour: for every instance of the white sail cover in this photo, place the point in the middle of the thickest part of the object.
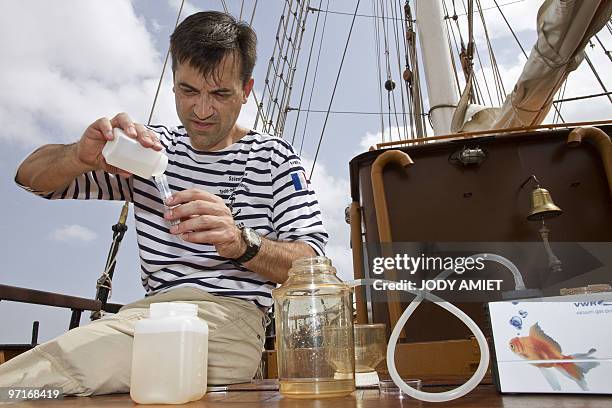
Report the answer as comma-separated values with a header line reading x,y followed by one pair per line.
x,y
564,29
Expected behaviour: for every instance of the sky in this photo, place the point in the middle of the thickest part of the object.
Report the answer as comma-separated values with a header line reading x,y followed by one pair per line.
x,y
68,62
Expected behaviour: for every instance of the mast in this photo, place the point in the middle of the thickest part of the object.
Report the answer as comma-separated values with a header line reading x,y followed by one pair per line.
x,y
439,76
411,74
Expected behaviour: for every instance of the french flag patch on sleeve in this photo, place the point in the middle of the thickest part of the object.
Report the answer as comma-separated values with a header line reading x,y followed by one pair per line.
x,y
299,180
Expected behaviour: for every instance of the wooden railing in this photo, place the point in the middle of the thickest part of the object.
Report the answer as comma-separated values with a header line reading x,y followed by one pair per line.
x,y
39,297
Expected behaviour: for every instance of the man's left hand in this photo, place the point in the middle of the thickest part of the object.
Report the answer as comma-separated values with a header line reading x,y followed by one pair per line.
x,y
205,219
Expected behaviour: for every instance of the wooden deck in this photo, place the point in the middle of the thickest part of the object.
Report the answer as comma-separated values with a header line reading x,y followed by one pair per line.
x,y
483,396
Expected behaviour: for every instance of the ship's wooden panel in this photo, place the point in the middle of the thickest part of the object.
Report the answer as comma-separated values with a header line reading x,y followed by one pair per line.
x,y
437,201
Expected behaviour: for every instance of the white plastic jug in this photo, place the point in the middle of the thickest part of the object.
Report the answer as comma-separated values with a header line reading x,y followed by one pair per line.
x,y
128,154
169,355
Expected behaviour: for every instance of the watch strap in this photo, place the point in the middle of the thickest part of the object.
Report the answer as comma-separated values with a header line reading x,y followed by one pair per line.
x,y
251,250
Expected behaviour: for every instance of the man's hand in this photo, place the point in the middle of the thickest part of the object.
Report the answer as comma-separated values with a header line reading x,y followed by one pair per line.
x,y
205,219
53,167
88,151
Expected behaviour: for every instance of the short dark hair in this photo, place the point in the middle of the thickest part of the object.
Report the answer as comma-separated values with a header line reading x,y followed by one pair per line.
x,y
203,39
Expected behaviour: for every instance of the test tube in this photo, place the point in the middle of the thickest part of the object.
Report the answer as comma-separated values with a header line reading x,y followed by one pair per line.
x,y
164,190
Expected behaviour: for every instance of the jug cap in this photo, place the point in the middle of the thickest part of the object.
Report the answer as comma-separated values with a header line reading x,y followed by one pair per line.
x,y
169,309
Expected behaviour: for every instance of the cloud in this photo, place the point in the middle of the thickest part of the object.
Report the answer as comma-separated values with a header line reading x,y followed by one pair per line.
x,y
232,6
579,83
56,82
73,233
333,194
521,14
52,89
249,112
583,82
371,139
188,8
394,133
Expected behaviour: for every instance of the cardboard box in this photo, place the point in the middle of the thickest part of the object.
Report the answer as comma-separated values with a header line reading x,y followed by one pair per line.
x,y
553,345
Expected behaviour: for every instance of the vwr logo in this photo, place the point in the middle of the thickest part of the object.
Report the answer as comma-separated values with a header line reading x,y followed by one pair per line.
x,y
592,303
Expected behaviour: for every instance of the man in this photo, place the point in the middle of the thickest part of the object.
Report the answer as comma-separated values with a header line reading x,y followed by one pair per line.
x,y
245,209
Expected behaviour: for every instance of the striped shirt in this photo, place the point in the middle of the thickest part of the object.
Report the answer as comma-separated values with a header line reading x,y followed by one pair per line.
x,y
261,180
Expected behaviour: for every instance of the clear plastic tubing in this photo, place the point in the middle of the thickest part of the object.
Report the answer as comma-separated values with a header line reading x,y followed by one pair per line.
x,y
164,189
480,338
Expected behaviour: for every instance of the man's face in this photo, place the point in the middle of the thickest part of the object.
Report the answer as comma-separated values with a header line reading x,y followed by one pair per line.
x,y
209,106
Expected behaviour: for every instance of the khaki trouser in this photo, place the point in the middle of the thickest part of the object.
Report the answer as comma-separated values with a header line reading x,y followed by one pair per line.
x,y
96,358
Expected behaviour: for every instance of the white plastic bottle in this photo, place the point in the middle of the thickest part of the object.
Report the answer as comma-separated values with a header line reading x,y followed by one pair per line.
x,y
169,355
128,154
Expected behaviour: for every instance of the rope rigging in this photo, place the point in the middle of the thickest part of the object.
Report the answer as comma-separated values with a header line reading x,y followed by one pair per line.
x,y
576,98
253,14
399,49
466,54
346,112
477,86
295,52
270,66
606,51
499,83
273,96
385,14
378,67
331,100
161,77
225,9
390,15
511,30
104,284
314,34
603,86
389,84
557,113
282,66
561,94
413,76
404,75
375,16
314,79
450,32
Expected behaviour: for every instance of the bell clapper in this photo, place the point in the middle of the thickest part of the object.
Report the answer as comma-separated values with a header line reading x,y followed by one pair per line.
x,y
553,262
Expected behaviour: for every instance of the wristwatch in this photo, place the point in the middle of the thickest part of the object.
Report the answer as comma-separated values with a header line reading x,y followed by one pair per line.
x,y
253,243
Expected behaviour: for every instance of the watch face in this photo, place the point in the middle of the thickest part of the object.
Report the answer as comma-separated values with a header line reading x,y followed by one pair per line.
x,y
251,237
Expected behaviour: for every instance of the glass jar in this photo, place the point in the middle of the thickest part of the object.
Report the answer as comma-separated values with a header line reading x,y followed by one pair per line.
x,y
370,346
314,331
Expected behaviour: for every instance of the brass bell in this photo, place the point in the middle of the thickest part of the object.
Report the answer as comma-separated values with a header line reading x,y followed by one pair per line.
x,y
542,205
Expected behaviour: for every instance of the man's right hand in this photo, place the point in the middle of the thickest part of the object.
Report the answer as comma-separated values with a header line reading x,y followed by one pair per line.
x,y
88,150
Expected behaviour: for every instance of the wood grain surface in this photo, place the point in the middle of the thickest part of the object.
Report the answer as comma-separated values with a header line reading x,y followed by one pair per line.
x,y
483,396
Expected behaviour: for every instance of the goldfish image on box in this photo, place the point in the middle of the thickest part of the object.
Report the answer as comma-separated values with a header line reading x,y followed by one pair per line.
x,y
539,346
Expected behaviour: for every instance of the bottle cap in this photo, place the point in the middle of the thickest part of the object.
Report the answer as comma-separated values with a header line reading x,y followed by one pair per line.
x,y
168,309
